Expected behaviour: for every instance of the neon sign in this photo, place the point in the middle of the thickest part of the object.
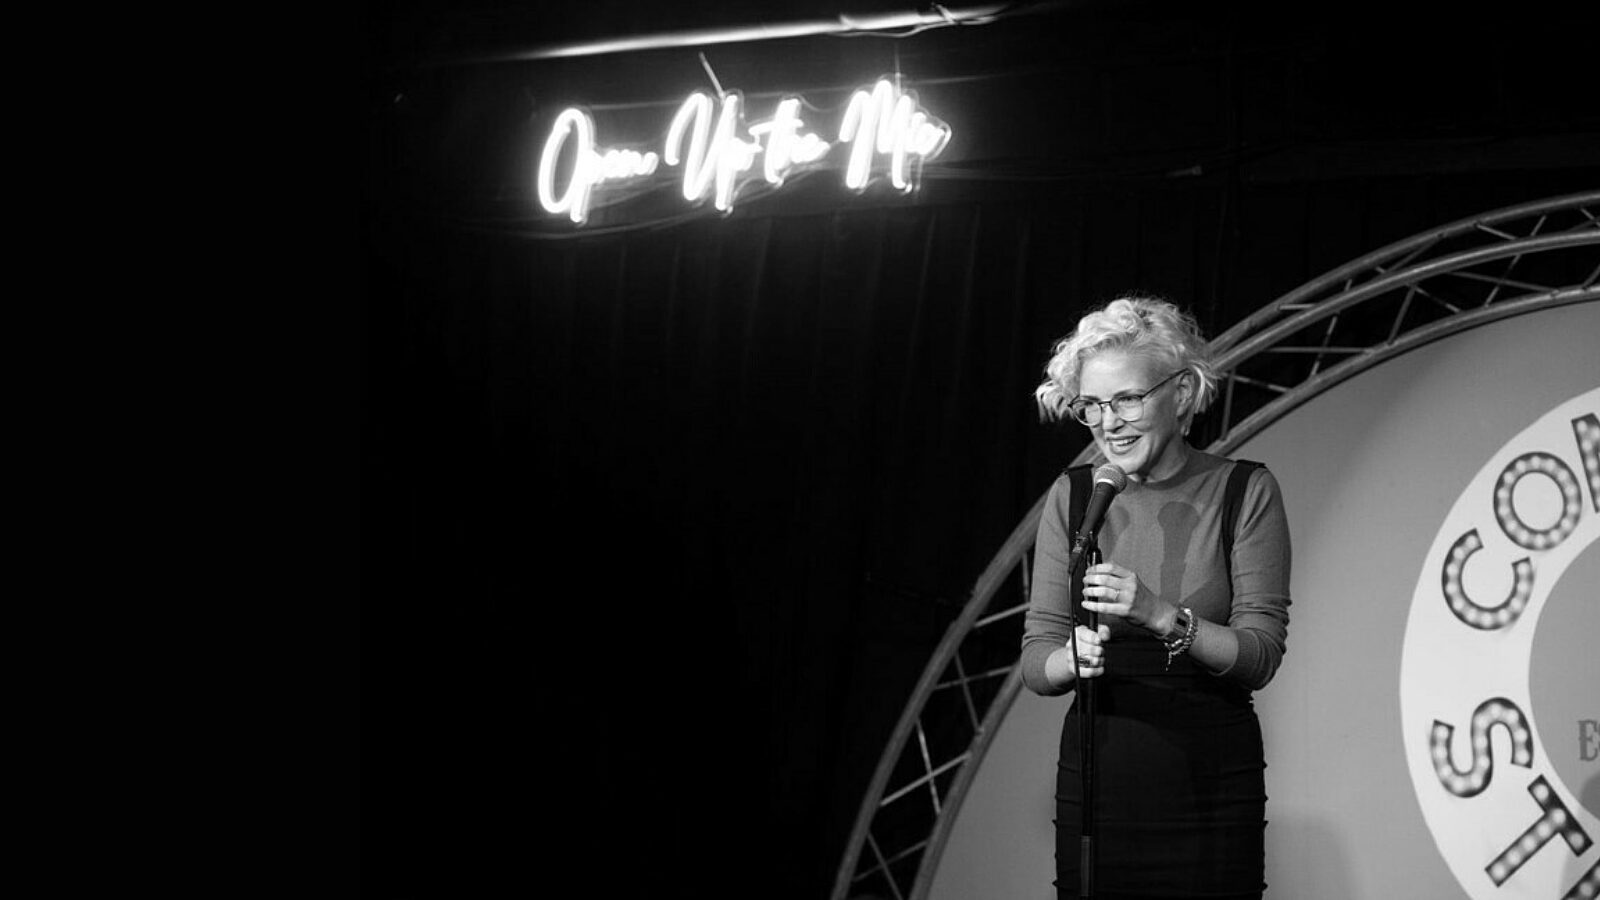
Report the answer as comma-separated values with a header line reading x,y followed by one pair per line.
x,y
882,125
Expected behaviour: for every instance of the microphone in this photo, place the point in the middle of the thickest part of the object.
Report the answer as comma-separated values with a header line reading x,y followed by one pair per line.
x,y
1108,483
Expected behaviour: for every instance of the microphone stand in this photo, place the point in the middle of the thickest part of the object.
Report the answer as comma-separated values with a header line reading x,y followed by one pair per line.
x,y
1087,550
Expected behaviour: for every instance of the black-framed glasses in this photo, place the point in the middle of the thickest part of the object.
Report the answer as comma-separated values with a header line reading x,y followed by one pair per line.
x,y
1129,407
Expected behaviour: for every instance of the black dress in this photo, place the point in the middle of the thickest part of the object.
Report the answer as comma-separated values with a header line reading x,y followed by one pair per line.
x,y
1183,752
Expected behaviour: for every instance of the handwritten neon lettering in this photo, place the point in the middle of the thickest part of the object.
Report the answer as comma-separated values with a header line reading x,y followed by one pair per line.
x,y
618,164
589,166
719,156
705,139
889,122
575,200
787,146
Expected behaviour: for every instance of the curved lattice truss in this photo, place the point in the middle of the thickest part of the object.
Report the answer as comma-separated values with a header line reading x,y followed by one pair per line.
x,y
1421,289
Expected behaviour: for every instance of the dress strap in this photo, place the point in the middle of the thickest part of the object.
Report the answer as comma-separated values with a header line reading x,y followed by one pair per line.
x,y
1232,501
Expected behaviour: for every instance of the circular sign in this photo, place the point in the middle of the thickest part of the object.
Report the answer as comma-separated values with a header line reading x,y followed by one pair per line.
x,y
1498,769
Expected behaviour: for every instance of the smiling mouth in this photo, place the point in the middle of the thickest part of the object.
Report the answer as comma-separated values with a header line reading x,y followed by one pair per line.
x,y
1121,443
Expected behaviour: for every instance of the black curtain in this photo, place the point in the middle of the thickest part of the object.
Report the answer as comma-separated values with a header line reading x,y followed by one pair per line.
x,y
662,526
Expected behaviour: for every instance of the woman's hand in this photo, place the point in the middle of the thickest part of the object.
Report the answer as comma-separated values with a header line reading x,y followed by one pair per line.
x,y
1091,651
1111,590
1062,669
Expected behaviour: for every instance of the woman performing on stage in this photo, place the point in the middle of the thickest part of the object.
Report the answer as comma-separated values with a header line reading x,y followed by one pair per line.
x,y
1192,602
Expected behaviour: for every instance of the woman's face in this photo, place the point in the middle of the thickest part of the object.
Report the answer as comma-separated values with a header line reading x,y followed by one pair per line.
x,y
1151,446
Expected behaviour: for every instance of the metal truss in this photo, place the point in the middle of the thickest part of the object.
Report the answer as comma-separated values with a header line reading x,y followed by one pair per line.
x,y
1492,266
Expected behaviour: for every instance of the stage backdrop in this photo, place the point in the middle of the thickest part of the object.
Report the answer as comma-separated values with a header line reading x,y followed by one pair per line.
x,y
1432,733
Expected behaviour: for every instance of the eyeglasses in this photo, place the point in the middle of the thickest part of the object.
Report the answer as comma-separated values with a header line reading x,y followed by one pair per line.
x,y
1129,407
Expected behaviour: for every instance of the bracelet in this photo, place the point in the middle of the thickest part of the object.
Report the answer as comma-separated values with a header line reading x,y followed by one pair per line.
x,y
1182,642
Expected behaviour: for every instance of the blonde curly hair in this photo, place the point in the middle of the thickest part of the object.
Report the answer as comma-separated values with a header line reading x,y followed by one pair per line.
x,y
1143,325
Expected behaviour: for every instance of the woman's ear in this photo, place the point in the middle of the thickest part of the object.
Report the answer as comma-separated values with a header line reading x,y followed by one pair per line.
x,y
1186,392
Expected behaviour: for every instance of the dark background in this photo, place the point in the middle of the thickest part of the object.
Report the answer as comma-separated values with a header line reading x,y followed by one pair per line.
x,y
660,521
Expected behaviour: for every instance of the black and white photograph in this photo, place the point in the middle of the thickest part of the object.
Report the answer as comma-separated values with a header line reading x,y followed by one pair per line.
x,y
888,450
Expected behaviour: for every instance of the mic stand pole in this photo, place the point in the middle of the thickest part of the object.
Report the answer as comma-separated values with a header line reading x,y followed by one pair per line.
x,y
1088,550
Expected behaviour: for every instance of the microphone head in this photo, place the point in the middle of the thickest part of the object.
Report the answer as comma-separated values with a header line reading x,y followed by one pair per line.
x,y
1109,474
